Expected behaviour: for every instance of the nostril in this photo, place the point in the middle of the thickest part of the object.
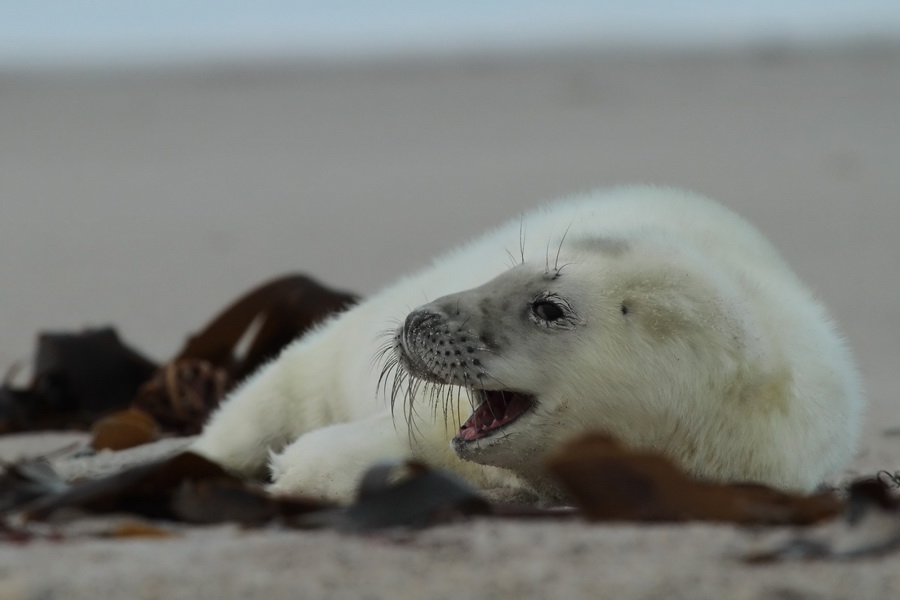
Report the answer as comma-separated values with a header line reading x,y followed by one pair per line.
x,y
418,319
411,323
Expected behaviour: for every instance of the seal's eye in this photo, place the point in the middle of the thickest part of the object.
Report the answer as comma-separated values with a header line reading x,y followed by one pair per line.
x,y
547,311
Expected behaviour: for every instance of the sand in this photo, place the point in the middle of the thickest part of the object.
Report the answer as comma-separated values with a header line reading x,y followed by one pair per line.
x,y
149,199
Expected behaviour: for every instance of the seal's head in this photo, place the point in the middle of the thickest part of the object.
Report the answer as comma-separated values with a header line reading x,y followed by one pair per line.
x,y
631,339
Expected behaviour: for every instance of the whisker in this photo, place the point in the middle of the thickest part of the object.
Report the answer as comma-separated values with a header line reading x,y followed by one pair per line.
x,y
559,249
522,238
547,254
512,259
559,270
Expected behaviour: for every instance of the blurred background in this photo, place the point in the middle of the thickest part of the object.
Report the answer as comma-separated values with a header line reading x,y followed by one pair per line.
x,y
159,158
126,32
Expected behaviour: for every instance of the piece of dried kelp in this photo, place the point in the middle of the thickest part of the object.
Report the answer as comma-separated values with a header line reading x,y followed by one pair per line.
x,y
271,315
92,371
139,529
182,394
76,525
77,378
185,487
124,429
544,513
230,501
609,482
25,480
870,527
80,377
408,494
144,489
190,488
19,408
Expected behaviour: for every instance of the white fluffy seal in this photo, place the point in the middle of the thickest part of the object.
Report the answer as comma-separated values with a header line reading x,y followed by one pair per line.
x,y
651,314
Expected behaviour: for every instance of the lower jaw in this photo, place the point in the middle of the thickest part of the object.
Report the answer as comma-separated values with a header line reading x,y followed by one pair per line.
x,y
466,449
482,450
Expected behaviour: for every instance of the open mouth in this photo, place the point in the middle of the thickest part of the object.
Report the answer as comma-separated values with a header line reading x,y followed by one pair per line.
x,y
497,410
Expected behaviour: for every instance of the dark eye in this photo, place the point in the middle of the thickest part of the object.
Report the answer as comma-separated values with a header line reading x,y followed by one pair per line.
x,y
547,311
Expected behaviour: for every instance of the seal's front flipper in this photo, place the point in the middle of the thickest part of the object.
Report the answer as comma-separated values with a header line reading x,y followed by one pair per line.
x,y
327,463
262,415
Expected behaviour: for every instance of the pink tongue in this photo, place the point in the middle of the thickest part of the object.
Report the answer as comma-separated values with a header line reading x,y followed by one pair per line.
x,y
499,409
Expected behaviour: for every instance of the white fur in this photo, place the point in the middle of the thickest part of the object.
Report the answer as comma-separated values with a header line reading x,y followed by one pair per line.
x,y
724,360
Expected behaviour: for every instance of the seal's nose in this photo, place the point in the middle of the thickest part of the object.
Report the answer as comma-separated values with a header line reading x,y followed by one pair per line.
x,y
418,319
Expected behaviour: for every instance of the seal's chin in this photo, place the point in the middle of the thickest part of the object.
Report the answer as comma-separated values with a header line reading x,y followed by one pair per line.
x,y
498,409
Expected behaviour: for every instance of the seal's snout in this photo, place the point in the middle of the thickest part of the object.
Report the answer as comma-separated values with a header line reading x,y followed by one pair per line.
x,y
416,338
419,320
418,328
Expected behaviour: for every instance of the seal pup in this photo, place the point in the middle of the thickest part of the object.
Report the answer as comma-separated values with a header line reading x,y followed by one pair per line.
x,y
651,314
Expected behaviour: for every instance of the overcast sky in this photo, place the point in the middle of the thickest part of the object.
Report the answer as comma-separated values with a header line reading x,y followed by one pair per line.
x,y
61,31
